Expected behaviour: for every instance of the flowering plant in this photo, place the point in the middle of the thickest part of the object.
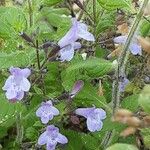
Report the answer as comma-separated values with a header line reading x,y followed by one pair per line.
x,y
69,79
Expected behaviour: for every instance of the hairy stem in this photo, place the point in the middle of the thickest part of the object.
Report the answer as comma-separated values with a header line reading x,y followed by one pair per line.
x,y
30,13
120,70
37,55
19,129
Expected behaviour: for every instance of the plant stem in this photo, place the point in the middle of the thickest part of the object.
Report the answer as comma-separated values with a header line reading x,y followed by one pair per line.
x,y
19,129
37,55
120,70
30,13
94,15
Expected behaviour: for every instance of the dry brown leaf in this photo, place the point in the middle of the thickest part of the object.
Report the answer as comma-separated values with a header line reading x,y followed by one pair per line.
x,y
123,29
128,131
145,43
116,52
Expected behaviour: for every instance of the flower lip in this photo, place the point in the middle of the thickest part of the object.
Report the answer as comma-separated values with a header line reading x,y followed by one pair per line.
x,y
46,112
51,137
94,117
17,83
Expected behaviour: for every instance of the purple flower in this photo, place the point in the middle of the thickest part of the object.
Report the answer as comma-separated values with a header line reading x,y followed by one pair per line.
x,y
76,88
47,111
51,137
94,117
67,52
17,83
68,43
134,47
123,84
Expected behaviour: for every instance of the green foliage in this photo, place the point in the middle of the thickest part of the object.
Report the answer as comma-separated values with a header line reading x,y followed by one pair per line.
x,y
130,102
51,2
145,28
18,58
144,99
12,21
48,21
120,146
85,70
146,135
53,16
111,5
8,113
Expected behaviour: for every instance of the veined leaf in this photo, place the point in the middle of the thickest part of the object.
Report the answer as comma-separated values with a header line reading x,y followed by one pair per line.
x,y
120,146
114,4
18,58
144,99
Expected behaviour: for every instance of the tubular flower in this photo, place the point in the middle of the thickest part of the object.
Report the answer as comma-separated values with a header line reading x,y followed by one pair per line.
x,y
47,111
134,47
17,83
94,117
68,43
51,137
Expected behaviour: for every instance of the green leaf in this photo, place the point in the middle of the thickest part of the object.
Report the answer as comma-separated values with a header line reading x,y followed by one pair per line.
x,y
31,133
12,21
144,99
88,97
55,19
146,135
8,112
130,102
114,4
120,146
51,2
18,58
85,70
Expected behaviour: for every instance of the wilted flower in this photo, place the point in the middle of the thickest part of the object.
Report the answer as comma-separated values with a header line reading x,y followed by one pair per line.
x,y
94,117
123,84
68,43
47,111
17,83
134,47
51,137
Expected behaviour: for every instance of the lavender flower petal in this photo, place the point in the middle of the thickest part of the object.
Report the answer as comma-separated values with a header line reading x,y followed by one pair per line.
x,y
51,137
101,113
94,125
46,112
26,72
85,112
83,32
135,49
120,39
42,139
61,139
71,35
25,84
94,117
67,53
77,45
17,83
123,84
